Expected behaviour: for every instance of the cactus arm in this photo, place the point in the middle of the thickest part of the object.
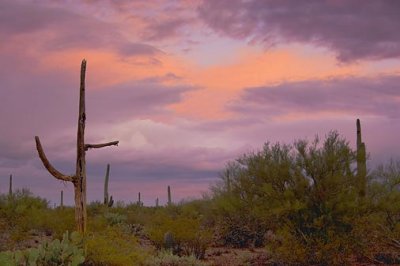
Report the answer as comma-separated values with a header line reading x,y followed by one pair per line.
x,y
101,145
110,202
53,171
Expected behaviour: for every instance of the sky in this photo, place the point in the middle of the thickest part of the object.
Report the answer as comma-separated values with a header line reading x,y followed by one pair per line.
x,y
187,86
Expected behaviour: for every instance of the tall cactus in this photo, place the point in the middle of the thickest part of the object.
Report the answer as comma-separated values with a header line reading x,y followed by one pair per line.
x,y
79,179
108,201
139,202
361,161
10,191
62,199
169,196
156,202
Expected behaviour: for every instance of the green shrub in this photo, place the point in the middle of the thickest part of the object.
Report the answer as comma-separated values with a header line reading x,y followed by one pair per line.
x,y
20,213
306,193
189,236
114,218
114,246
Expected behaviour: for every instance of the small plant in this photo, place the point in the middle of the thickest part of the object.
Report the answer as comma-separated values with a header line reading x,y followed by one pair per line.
x,y
68,251
114,218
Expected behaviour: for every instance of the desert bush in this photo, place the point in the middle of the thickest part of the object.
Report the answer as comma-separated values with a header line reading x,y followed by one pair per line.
x,y
306,193
113,246
20,213
113,218
188,234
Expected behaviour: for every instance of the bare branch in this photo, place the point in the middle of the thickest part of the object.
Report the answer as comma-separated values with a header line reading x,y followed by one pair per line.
x,y
101,145
54,172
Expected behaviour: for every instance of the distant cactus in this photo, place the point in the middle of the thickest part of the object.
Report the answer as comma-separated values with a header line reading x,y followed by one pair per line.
x,y
156,202
62,199
139,202
108,201
10,191
169,196
361,161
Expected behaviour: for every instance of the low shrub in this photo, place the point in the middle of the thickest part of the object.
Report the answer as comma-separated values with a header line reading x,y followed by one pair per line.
x,y
186,236
114,246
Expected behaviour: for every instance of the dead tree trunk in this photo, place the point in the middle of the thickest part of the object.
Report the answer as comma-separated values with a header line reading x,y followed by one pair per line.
x,y
79,179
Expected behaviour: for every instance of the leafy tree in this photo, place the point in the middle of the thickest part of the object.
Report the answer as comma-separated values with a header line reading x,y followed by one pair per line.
x,y
305,193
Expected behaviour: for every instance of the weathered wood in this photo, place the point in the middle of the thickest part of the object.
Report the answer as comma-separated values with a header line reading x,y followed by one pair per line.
x,y
79,179
101,145
53,171
80,176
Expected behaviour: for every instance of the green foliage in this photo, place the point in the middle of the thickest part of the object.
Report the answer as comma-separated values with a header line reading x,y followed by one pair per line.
x,y
114,246
300,201
306,193
182,234
68,251
114,218
20,213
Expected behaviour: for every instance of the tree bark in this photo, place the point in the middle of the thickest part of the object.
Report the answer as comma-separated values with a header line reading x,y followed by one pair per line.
x,y
80,176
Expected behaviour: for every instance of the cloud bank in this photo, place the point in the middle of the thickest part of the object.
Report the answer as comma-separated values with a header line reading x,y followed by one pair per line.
x,y
353,29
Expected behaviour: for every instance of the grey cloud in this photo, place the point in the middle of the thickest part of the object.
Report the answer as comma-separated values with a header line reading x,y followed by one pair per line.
x,y
165,29
68,29
353,29
135,99
45,104
369,96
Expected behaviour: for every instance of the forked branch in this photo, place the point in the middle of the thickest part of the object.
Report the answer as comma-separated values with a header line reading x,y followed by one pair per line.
x,y
53,171
101,145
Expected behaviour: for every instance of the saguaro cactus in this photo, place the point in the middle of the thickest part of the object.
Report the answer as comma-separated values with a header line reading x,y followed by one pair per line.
x,y
156,202
10,192
139,202
169,196
108,201
62,199
79,179
361,161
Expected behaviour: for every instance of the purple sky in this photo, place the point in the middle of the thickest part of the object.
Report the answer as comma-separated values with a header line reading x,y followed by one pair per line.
x,y
188,85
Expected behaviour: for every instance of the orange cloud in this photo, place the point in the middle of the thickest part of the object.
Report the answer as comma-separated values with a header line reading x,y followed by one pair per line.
x,y
223,83
107,68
